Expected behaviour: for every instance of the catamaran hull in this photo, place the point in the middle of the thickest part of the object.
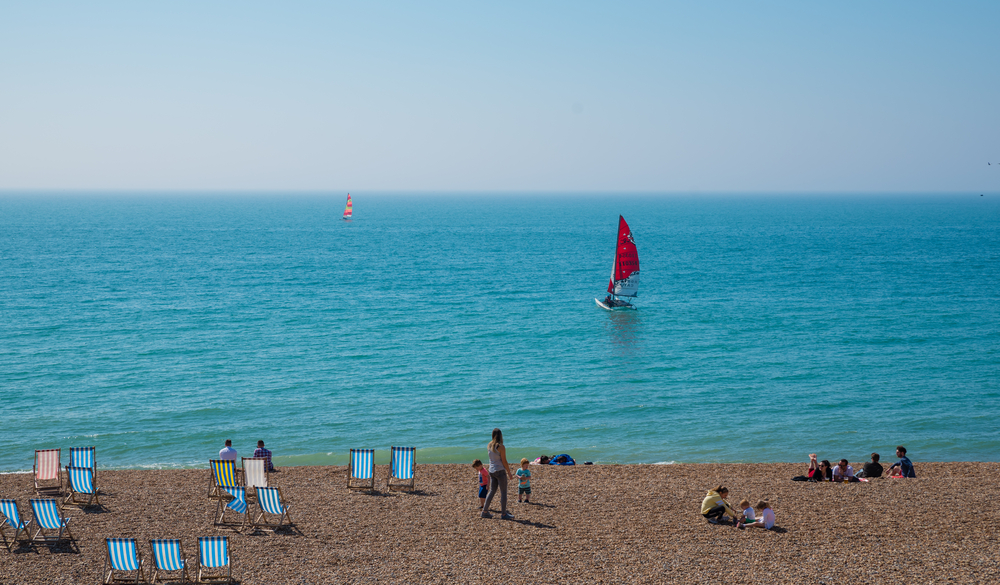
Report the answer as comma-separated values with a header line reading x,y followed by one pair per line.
x,y
621,308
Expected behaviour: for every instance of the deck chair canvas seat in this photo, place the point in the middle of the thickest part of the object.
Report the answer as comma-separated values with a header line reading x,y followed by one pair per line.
x,y
48,519
223,475
82,490
168,558
12,521
237,503
255,472
401,468
270,502
213,554
123,557
83,457
47,472
361,472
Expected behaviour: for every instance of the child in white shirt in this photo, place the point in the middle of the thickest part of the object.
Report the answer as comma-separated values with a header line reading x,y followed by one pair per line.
x,y
766,520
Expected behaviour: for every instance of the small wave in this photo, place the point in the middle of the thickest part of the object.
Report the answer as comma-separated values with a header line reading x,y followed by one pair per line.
x,y
665,463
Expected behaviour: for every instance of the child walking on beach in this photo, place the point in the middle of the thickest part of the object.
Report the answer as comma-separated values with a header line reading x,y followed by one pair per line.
x,y
484,481
523,482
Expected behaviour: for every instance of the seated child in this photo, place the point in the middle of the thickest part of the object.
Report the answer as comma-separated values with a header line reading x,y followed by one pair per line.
x,y
523,481
747,516
484,482
766,520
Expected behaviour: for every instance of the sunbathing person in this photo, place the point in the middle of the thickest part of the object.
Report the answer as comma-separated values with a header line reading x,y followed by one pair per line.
x,y
843,471
819,470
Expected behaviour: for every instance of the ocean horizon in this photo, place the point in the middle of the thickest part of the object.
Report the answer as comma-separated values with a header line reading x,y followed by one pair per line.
x,y
155,326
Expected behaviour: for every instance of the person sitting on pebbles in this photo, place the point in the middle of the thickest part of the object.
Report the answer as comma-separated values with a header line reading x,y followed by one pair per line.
x,y
843,472
766,520
715,507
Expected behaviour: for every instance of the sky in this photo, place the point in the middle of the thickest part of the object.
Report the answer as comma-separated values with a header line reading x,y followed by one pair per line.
x,y
714,96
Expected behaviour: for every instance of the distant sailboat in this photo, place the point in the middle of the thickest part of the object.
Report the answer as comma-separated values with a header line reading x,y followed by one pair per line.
x,y
625,273
347,210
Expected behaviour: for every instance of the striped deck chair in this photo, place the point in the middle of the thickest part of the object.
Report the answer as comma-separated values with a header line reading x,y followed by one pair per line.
x,y
123,557
403,461
12,520
362,467
81,487
255,472
47,518
167,557
270,501
213,553
223,475
237,504
83,457
47,469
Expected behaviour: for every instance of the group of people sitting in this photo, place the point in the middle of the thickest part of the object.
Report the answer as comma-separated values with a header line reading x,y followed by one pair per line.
x,y
715,508
822,471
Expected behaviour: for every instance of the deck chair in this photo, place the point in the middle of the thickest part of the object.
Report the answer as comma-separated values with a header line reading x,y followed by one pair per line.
x,y
167,557
237,504
213,553
83,457
12,520
47,469
401,468
123,557
362,468
223,475
270,501
255,472
81,487
47,518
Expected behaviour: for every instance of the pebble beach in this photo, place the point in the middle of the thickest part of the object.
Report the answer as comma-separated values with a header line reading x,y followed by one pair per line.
x,y
586,524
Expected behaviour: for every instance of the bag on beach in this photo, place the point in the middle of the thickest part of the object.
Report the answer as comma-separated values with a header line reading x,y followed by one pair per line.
x,y
800,478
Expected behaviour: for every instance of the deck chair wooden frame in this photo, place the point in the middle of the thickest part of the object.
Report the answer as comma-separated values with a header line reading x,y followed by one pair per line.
x,y
255,473
213,553
122,556
224,474
361,469
47,470
237,502
168,557
13,521
48,519
402,468
270,501
82,486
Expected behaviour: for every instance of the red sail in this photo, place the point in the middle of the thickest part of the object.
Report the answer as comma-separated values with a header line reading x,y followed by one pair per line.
x,y
625,274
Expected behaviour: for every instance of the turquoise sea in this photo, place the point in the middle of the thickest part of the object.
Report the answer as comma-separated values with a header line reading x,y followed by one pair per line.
x,y
157,326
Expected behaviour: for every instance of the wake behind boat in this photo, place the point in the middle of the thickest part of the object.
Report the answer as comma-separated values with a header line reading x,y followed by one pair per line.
x,y
625,272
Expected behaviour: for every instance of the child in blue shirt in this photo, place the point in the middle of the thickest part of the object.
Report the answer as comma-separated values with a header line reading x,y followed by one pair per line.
x,y
523,481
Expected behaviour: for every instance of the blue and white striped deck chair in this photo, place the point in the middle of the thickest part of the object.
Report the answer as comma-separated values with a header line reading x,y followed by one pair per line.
x,y
81,487
123,557
237,504
270,501
47,518
213,553
167,557
47,469
12,520
362,469
401,468
223,475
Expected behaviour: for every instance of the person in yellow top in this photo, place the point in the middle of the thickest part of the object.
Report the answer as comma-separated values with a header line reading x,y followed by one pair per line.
x,y
714,506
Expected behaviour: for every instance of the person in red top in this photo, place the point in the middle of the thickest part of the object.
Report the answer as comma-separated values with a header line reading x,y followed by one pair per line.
x,y
484,482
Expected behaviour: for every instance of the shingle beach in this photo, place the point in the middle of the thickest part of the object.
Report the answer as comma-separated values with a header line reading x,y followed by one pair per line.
x,y
587,524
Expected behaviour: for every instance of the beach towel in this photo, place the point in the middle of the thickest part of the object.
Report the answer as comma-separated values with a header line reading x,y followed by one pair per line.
x,y
563,459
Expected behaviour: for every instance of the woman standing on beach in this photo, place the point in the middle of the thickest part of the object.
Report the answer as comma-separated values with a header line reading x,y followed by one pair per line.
x,y
499,475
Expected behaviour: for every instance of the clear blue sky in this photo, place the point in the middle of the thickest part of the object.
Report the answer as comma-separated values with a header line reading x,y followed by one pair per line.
x,y
478,96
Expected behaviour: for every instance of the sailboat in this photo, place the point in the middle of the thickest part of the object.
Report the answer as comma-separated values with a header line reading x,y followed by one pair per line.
x,y
625,273
347,210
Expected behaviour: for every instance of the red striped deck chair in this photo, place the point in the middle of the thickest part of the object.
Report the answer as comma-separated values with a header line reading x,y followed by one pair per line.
x,y
401,468
223,475
361,471
48,474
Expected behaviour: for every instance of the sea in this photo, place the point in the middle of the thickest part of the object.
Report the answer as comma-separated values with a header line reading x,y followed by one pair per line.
x,y
155,326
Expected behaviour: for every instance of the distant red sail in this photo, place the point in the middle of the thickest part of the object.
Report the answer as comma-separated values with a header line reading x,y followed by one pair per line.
x,y
625,274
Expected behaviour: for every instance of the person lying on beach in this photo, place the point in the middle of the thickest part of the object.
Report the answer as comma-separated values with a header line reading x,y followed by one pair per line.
x,y
819,471
905,465
843,471
766,520
715,507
